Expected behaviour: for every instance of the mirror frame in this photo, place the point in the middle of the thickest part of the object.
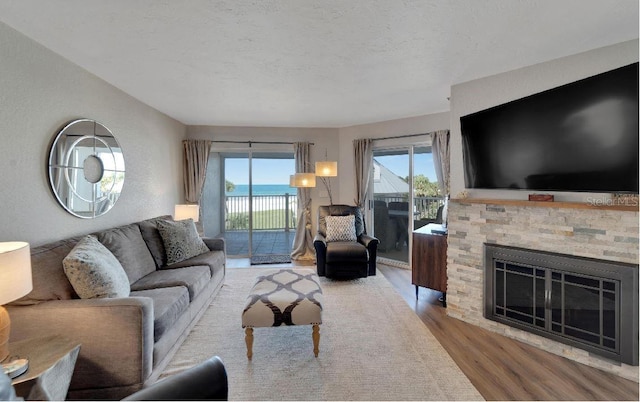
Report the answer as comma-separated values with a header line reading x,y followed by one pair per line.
x,y
86,168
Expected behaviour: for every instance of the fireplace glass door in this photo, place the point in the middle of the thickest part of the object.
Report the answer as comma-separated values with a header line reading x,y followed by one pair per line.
x,y
580,307
585,308
584,302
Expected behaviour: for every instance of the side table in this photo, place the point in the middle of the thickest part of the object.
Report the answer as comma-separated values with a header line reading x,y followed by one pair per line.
x,y
52,360
429,260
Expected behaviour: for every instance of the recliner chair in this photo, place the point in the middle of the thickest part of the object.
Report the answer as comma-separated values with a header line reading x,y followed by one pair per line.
x,y
206,381
344,259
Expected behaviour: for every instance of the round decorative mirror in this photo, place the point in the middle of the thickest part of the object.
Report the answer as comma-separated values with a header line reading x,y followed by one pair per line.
x,y
86,168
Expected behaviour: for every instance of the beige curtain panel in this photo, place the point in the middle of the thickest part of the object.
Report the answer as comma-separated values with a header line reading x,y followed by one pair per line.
x,y
303,242
363,156
440,149
196,157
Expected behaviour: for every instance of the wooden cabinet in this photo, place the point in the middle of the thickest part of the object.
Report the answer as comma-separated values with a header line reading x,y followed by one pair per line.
x,y
429,260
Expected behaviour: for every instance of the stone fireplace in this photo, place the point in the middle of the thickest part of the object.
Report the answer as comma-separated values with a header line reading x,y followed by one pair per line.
x,y
602,233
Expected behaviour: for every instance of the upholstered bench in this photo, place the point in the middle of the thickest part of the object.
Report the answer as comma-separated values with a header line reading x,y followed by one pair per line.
x,y
287,296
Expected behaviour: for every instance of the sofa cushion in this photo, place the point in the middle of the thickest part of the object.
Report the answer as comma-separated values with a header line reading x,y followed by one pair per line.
x,y
47,274
181,240
94,272
341,228
127,244
194,278
169,304
215,260
151,236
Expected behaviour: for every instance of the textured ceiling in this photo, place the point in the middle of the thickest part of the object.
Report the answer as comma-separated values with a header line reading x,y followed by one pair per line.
x,y
311,63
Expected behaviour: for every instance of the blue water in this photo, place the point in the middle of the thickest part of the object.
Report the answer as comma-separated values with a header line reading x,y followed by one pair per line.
x,y
263,189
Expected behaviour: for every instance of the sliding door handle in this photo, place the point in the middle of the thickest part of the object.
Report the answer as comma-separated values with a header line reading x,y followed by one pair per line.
x,y
547,299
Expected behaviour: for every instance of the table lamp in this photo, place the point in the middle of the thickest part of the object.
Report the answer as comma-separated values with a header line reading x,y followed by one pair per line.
x,y
186,211
15,282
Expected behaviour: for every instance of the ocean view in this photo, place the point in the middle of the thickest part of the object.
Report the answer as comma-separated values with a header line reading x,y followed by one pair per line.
x,y
262,189
266,197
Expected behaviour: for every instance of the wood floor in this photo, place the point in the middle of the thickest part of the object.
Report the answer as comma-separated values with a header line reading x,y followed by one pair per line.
x,y
502,368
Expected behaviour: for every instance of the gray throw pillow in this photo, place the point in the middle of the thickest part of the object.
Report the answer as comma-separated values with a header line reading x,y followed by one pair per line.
x,y
181,240
94,272
341,228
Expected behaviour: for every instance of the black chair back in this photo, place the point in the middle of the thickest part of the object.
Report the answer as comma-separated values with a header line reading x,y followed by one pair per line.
x,y
339,210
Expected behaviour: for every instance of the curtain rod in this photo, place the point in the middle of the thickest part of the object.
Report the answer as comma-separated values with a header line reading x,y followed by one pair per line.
x,y
400,136
257,142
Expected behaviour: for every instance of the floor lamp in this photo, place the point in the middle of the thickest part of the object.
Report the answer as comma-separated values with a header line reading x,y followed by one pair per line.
x,y
324,170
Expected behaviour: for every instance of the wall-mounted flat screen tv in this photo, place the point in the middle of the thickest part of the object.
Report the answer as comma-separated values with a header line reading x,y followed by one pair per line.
x,y
581,136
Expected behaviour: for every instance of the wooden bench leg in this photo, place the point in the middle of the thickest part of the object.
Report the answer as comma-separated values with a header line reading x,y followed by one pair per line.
x,y
316,339
248,338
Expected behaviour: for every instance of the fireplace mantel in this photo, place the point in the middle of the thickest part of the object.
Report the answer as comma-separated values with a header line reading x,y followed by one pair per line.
x,y
550,204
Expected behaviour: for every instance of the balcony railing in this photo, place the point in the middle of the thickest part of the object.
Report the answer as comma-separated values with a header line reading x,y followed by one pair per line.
x,y
280,212
270,212
424,207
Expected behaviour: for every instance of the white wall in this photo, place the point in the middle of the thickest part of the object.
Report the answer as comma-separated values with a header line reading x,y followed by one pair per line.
x,y
41,91
490,91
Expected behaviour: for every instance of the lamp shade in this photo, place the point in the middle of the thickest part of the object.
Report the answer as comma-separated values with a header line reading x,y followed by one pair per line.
x,y
304,180
327,169
15,271
186,211
292,180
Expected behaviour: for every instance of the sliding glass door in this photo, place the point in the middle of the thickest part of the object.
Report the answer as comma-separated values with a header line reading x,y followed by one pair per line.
x,y
405,197
260,207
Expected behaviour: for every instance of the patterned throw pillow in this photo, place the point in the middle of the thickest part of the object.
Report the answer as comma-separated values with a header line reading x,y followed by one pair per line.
x,y
94,272
341,228
181,240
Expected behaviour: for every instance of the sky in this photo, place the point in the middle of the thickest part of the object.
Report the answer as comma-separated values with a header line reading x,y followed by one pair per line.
x,y
277,171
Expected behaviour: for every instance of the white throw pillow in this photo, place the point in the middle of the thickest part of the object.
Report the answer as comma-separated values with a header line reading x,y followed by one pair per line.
x,y
341,228
181,240
94,272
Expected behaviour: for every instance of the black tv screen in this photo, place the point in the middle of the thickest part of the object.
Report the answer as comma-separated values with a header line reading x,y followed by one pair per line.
x,y
581,136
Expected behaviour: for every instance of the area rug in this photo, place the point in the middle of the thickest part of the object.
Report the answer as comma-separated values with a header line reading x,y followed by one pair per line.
x,y
372,347
270,259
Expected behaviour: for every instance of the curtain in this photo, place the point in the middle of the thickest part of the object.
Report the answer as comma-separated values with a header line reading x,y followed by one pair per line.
x,y
363,156
303,242
440,149
196,156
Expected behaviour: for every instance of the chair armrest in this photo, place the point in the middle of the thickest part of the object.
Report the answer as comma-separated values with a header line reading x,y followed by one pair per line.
x,y
320,244
320,238
215,243
371,243
116,336
206,381
368,241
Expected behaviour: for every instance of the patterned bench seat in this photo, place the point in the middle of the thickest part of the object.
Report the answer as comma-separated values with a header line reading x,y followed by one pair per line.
x,y
287,296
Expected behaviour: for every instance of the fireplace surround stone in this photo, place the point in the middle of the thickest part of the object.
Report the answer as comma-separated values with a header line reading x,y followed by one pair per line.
x,y
600,233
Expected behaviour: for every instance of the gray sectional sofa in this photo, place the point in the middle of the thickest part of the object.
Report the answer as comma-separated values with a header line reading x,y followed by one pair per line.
x,y
125,341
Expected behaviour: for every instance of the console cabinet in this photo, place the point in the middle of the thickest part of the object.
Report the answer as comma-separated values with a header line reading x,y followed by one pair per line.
x,y
429,261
